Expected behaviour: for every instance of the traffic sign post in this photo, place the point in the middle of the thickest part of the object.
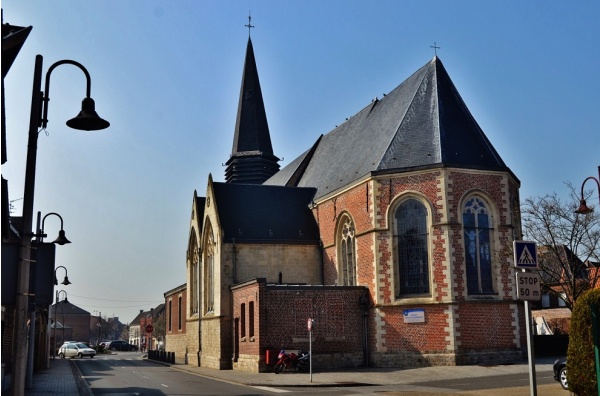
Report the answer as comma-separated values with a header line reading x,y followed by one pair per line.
x,y
525,254
528,289
309,325
528,286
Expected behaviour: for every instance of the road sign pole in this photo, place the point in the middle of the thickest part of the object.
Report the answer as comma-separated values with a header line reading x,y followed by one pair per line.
x,y
530,352
528,288
310,325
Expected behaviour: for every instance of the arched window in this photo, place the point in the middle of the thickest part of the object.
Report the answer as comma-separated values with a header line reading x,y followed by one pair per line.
x,y
194,265
209,272
412,248
347,252
477,225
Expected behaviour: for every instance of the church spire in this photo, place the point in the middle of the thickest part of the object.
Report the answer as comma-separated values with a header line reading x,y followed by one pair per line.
x,y
252,160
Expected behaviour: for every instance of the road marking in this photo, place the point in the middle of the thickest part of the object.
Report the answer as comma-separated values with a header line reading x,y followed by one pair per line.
x,y
269,389
166,386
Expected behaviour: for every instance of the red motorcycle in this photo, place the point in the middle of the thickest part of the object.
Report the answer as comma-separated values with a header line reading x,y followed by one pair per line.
x,y
298,363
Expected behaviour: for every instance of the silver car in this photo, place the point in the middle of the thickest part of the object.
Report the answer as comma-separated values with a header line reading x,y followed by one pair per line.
x,y
76,350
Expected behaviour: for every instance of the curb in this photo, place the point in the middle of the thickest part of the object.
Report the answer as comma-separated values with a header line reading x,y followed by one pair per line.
x,y
82,385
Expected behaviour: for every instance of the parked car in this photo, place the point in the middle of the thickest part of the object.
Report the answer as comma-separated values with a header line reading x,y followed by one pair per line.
x,y
120,345
75,350
560,373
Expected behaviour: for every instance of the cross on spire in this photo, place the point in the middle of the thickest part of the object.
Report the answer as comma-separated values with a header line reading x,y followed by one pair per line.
x,y
249,25
435,48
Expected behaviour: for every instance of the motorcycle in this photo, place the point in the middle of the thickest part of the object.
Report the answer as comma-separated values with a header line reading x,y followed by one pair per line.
x,y
299,363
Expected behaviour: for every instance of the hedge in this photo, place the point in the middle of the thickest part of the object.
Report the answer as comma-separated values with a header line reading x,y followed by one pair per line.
x,y
581,372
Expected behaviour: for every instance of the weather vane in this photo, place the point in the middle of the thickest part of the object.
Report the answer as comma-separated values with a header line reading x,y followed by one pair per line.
x,y
435,48
249,25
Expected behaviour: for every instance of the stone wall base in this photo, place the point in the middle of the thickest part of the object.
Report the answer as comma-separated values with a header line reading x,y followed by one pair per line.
x,y
215,363
415,360
192,359
250,363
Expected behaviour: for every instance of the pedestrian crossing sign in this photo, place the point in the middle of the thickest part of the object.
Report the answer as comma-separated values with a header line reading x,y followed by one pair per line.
x,y
525,254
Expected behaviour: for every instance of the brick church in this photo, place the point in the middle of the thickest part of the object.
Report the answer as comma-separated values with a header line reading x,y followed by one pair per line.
x,y
393,232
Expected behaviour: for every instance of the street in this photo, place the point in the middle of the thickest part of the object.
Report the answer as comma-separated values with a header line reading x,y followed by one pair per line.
x,y
126,373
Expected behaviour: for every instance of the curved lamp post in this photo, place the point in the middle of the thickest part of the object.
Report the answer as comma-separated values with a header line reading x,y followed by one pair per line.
x,y
87,120
583,208
61,239
63,319
64,282
595,310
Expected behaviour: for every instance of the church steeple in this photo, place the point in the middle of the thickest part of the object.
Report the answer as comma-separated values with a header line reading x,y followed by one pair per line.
x,y
252,160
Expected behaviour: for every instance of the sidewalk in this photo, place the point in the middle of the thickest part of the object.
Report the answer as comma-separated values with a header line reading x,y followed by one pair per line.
x,y
64,378
405,381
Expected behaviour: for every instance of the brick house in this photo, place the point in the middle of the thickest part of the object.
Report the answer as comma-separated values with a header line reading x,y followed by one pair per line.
x,y
137,328
176,339
71,320
406,204
269,317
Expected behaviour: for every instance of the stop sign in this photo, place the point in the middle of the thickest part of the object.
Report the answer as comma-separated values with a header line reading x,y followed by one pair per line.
x,y
149,328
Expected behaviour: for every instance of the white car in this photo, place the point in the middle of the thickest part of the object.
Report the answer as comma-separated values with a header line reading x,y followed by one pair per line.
x,y
76,350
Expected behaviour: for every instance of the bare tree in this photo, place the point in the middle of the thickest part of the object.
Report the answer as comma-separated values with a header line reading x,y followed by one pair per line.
x,y
568,244
160,328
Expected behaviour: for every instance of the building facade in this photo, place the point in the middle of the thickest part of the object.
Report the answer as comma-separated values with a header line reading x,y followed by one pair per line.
x,y
407,202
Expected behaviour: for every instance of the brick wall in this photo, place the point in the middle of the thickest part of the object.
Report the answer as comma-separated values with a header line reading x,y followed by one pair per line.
x,y
78,323
449,335
280,322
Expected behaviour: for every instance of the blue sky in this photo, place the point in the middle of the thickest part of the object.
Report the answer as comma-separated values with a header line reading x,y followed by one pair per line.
x,y
166,74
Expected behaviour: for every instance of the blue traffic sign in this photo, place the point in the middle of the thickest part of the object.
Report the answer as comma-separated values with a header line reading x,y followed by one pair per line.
x,y
525,254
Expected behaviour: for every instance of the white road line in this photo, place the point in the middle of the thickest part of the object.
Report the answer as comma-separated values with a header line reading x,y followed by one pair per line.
x,y
269,389
166,386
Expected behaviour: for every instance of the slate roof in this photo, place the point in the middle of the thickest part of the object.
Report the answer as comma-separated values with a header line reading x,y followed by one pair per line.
x,y
252,159
252,213
423,123
155,312
66,308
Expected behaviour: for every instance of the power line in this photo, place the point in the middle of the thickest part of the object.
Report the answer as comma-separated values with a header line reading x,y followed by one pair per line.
x,y
124,301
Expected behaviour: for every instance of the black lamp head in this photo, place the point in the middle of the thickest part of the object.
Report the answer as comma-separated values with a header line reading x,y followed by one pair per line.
x,y
88,119
583,208
61,239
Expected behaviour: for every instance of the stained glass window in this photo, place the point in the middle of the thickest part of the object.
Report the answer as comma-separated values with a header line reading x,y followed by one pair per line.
x,y
348,252
412,246
209,286
477,228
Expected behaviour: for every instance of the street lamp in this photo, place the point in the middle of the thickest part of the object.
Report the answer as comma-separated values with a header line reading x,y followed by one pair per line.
x,y
64,282
594,308
583,208
55,322
61,239
87,120
99,324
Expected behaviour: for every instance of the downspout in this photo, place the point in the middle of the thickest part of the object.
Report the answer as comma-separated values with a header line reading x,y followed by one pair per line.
x,y
322,263
198,287
234,324
234,259
364,304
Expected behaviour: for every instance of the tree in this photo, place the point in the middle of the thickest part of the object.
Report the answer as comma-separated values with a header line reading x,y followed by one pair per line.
x,y
160,327
125,333
568,244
